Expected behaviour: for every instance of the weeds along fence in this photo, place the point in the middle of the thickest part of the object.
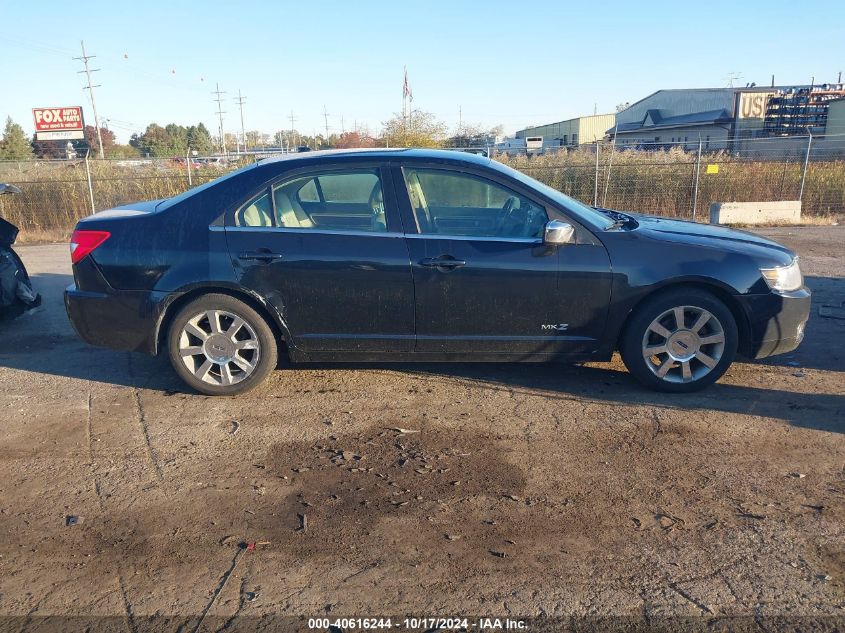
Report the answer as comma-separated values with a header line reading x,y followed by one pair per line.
x,y
679,182
673,181
55,194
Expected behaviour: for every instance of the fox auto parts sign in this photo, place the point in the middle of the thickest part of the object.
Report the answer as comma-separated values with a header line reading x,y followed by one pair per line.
x,y
58,124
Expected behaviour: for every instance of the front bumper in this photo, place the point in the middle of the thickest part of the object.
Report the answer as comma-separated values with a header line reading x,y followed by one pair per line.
x,y
125,320
776,321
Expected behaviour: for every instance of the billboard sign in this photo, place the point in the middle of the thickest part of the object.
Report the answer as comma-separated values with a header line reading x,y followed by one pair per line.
x,y
58,124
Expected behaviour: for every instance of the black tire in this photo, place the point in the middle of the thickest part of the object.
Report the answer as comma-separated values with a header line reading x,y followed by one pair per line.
x,y
692,374
262,358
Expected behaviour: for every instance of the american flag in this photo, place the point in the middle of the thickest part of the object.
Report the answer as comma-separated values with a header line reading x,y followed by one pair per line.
x,y
406,88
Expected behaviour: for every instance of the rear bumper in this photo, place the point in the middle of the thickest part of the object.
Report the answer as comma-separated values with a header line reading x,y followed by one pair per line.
x,y
777,322
125,320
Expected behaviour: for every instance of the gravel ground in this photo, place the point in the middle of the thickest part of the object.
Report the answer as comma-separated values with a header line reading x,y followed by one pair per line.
x,y
433,489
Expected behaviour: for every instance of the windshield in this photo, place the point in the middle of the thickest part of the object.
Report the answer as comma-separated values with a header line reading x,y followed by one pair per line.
x,y
596,218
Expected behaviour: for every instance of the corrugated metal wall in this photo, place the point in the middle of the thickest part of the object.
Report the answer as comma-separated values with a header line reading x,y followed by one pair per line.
x,y
594,128
587,129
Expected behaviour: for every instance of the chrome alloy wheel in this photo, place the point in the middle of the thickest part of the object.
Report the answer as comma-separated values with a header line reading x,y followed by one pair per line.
x,y
683,344
219,347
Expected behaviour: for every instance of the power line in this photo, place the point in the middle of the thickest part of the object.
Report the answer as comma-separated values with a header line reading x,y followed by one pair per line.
x,y
241,106
84,59
220,112
326,118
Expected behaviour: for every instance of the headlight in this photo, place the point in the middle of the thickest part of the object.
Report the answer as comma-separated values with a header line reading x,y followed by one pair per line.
x,y
784,278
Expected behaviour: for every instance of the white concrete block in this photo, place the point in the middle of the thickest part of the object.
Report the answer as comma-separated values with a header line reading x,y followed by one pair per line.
x,y
787,211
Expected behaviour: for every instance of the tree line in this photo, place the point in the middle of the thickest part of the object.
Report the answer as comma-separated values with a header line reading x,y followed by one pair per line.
x,y
416,129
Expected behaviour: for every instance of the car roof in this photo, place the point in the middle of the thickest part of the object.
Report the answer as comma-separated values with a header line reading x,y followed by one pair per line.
x,y
378,152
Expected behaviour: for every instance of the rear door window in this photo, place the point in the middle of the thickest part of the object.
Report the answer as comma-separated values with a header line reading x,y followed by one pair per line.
x,y
342,201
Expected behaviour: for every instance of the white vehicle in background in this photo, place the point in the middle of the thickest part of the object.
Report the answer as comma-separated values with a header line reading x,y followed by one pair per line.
x,y
534,144
510,146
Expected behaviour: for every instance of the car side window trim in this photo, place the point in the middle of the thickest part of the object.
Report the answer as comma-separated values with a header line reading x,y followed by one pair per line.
x,y
472,238
310,231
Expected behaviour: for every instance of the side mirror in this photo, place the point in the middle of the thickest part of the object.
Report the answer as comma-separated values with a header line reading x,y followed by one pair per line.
x,y
4,188
558,232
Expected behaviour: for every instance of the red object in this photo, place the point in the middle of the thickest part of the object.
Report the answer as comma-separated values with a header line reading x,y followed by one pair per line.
x,y
83,243
57,119
250,547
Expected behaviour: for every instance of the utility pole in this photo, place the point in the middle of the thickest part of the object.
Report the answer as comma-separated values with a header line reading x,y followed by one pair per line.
x,y
697,177
220,113
84,59
326,118
241,106
806,164
292,119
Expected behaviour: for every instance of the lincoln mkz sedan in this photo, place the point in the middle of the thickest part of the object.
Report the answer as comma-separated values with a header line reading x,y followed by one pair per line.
x,y
398,255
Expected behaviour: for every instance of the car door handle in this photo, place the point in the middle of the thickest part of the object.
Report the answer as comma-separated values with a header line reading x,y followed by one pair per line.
x,y
442,262
261,256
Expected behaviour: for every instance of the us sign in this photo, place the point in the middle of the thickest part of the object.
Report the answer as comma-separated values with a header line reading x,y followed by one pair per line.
x,y
752,105
58,124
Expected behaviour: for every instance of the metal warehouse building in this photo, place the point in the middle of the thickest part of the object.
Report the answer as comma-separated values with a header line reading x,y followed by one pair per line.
x,y
724,118
572,132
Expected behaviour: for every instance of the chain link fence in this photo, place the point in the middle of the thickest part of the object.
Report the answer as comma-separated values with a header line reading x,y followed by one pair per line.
x,y
56,193
681,180
672,179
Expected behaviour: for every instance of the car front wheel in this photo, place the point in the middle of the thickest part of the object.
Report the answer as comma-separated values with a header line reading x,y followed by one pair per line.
x,y
680,341
221,346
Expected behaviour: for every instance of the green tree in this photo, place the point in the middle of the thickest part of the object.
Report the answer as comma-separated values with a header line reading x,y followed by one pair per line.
x,y
418,129
14,145
199,139
177,136
121,151
155,141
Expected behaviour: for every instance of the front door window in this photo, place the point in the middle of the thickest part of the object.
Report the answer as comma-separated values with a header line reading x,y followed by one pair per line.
x,y
450,203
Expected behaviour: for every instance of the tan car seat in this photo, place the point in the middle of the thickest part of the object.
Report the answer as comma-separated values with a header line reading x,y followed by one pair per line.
x,y
256,214
291,215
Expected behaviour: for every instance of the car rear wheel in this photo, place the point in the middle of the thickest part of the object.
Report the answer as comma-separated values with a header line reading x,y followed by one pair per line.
x,y
680,341
220,346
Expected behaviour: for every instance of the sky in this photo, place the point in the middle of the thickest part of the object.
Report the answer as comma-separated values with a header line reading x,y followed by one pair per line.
x,y
495,62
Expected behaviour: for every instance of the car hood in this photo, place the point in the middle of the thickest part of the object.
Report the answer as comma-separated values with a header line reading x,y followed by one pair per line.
x,y
683,231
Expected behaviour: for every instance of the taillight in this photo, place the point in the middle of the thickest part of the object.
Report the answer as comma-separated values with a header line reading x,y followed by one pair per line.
x,y
83,243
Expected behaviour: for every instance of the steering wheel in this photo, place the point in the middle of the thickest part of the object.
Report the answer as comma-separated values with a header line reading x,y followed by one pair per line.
x,y
508,209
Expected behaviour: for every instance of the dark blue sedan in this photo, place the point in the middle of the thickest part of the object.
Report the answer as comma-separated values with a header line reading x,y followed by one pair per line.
x,y
398,255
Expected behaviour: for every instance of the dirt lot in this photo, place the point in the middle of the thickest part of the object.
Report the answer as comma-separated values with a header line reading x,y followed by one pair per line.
x,y
522,490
